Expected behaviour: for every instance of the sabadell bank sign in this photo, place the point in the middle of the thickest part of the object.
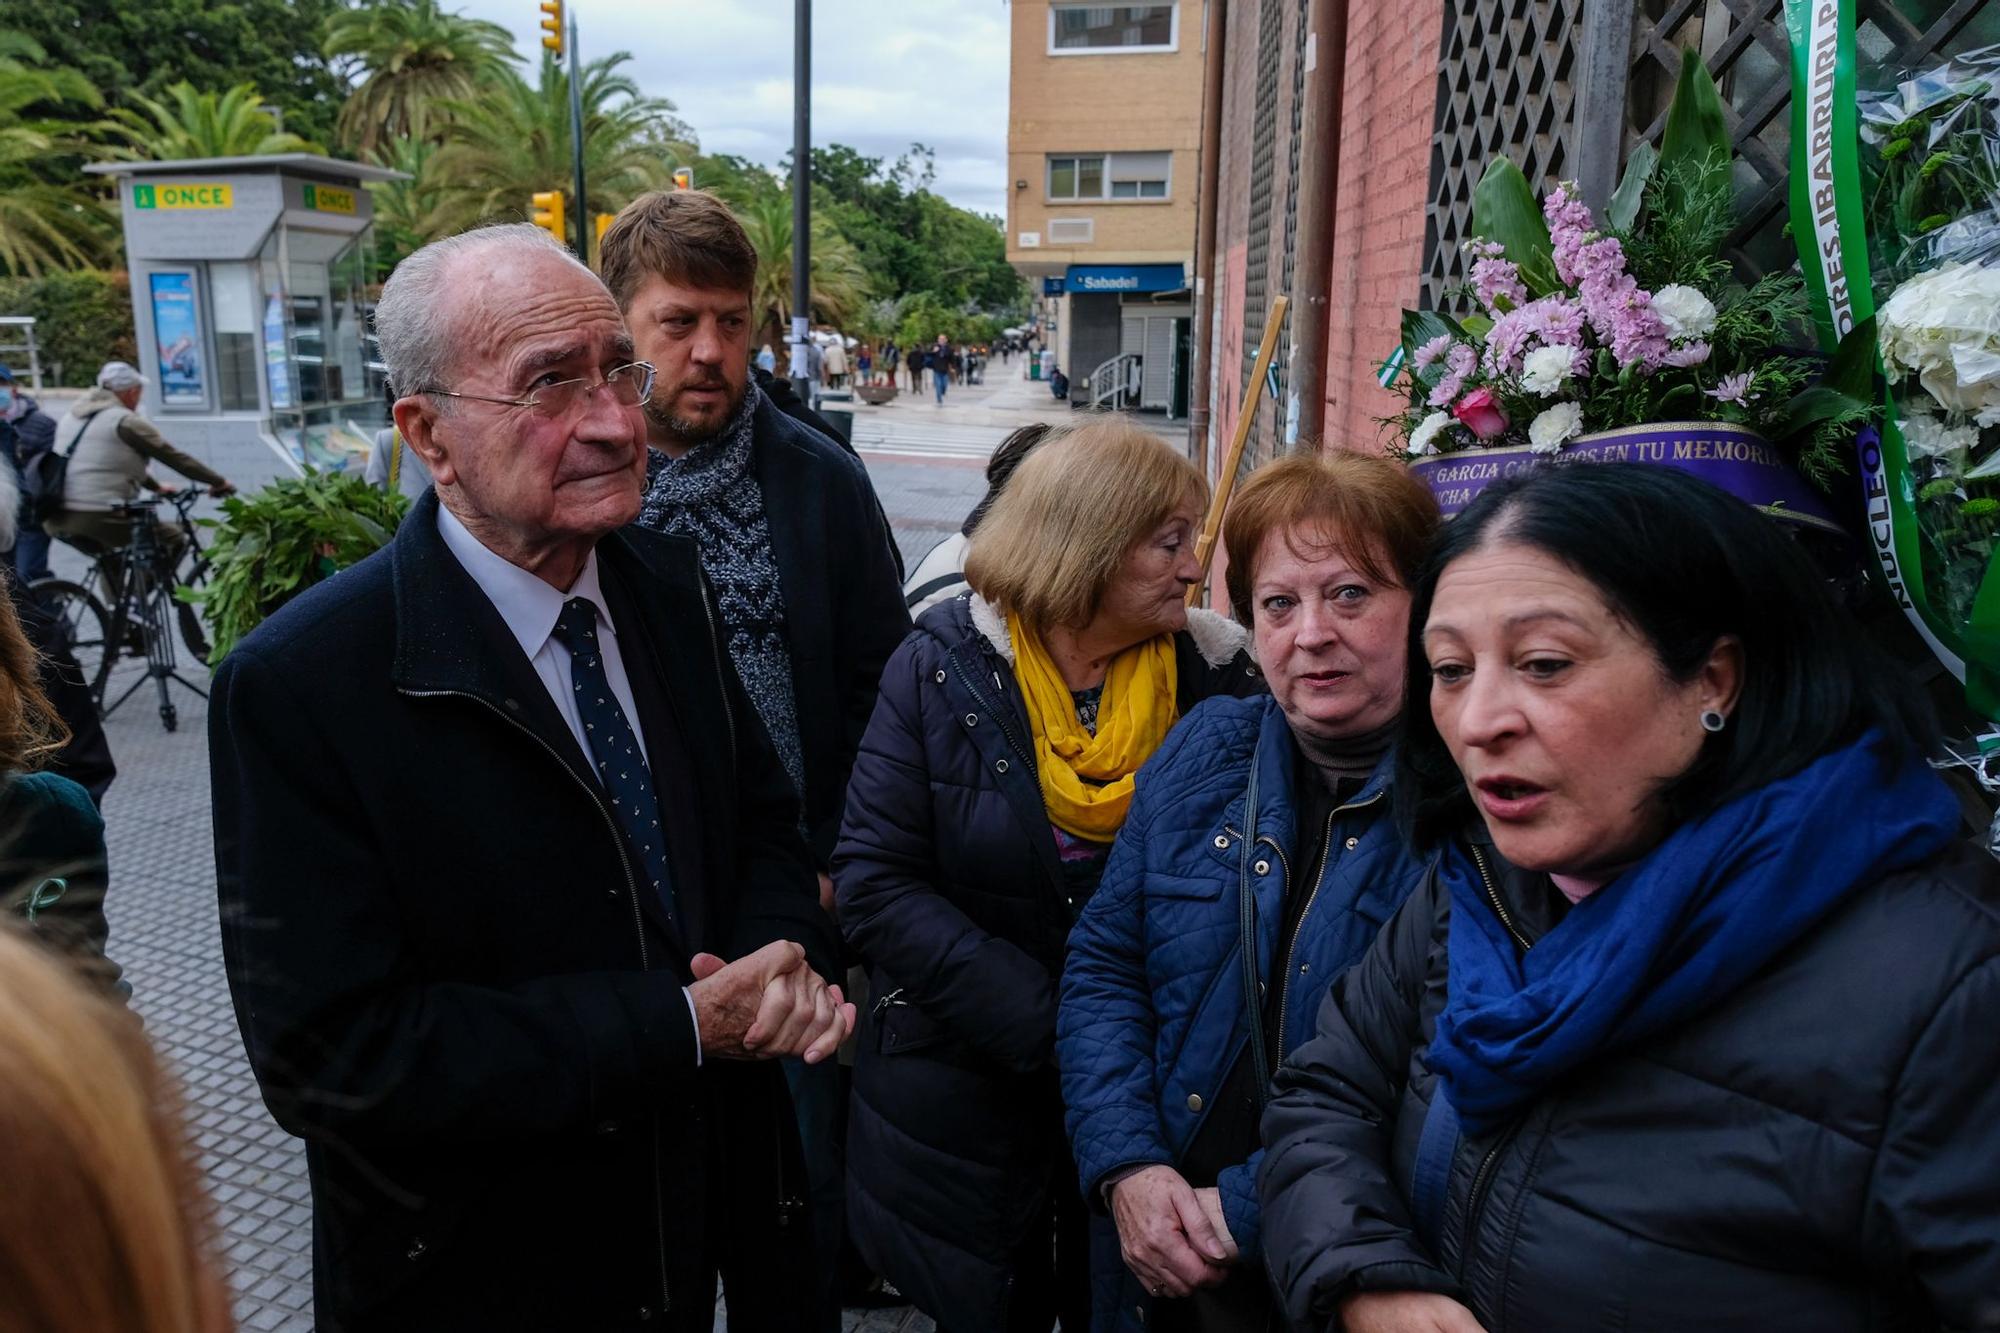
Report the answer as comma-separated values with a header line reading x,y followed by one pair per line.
x,y
1126,278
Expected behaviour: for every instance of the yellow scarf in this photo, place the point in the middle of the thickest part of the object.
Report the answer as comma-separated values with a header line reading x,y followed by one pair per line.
x,y
1087,780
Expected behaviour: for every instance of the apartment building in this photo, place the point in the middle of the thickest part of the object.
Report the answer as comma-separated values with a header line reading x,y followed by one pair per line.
x,y
1103,132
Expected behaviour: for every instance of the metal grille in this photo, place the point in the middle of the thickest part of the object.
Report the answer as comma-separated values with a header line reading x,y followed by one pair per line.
x,y
1263,144
1281,357
1506,84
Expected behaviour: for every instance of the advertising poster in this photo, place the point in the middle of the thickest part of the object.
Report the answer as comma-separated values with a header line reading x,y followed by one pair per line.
x,y
177,334
277,366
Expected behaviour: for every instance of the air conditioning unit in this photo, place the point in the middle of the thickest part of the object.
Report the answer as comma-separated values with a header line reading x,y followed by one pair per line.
x,y
1072,231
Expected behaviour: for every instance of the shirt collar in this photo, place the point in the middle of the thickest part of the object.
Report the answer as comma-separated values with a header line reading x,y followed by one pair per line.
x,y
529,606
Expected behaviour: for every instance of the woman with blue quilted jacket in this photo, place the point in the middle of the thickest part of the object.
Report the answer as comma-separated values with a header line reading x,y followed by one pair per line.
x,y
1263,820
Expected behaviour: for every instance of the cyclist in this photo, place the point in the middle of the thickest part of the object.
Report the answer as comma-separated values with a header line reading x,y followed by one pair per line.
x,y
109,446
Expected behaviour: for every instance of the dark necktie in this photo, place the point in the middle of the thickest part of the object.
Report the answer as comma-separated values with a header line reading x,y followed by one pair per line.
x,y
621,766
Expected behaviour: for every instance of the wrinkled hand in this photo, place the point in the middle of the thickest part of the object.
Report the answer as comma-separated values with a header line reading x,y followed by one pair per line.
x,y
1164,1234
1405,1312
1210,1200
766,1006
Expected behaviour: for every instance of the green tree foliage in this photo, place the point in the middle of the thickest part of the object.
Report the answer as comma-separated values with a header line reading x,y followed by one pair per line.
x,y
120,46
83,318
839,282
406,57
48,218
190,123
513,139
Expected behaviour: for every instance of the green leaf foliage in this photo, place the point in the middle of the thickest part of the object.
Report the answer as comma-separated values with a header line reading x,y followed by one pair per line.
x,y
1631,192
271,546
1697,134
1505,211
83,318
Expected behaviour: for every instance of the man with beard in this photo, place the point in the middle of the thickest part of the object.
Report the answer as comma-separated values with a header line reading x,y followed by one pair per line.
x,y
791,538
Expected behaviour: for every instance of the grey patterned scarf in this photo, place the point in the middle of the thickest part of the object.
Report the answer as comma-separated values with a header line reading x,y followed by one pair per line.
x,y
711,496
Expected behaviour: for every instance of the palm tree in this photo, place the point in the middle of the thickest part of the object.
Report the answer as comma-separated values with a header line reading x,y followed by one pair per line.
x,y
839,281
44,223
514,141
203,124
410,56
406,211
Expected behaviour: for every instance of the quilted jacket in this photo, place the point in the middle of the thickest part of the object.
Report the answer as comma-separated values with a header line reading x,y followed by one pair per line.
x,y
1151,1016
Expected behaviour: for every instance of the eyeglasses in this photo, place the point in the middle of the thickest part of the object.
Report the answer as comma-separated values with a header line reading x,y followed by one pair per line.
x,y
630,385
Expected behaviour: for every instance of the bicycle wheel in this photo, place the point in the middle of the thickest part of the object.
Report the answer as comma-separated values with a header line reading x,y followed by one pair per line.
x,y
193,633
82,626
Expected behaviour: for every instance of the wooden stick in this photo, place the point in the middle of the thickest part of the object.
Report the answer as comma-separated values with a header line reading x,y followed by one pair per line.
x,y
1211,527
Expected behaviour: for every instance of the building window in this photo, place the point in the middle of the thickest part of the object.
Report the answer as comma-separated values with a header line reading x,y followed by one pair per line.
x,y
1111,176
1076,29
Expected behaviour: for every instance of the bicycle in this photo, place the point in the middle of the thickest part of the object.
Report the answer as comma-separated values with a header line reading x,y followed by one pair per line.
x,y
143,606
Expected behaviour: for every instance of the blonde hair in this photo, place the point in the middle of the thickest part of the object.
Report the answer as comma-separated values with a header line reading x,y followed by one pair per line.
x,y
1071,514
102,1221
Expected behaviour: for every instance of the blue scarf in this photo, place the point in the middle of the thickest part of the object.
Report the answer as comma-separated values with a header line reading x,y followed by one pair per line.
x,y
1700,915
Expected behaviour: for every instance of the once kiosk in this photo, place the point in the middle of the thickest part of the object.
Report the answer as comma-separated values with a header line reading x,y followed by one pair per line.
x,y
253,284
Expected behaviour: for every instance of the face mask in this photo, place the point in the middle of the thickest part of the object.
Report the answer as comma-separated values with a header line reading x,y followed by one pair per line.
x,y
6,400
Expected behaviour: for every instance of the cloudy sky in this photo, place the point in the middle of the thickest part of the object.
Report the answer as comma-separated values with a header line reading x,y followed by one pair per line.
x,y
934,71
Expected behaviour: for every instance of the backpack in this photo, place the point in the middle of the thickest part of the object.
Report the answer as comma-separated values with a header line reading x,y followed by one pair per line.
x,y
44,466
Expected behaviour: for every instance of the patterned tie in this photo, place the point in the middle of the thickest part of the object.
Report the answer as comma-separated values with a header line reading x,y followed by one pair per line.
x,y
621,768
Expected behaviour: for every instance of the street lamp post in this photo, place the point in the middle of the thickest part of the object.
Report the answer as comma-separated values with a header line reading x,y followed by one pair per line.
x,y
801,194
576,142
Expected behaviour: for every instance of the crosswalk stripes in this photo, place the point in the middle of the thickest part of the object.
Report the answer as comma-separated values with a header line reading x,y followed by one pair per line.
x,y
899,438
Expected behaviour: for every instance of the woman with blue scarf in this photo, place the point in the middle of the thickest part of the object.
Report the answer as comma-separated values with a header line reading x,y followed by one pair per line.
x,y
1692,1025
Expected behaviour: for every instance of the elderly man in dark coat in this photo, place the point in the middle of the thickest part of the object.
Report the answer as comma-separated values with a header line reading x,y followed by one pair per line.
x,y
491,811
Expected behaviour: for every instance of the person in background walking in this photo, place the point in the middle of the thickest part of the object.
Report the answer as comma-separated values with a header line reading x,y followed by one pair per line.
x,y
103,1222
913,364
940,575
791,538
24,429
864,364
815,366
1688,1026
941,363
836,362
1161,1077
996,772
767,360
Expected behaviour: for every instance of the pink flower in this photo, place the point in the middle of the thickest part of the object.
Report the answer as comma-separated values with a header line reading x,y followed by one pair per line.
x,y
1689,356
1570,227
1479,412
1494,276
1431,351
1732,389
1459,363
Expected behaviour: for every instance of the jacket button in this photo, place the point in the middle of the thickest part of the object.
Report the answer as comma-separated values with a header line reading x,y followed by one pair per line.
x,y
1305,968
645,1313
1000,765
972,719
1221,843
417,1247
1194,1101
939,678
1262,867
1352,843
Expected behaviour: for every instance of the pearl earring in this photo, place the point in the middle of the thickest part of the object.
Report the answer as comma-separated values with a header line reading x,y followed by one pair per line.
x,y
1711,720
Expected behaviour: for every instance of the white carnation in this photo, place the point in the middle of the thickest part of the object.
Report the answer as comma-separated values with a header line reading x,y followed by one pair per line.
x,y
1685,312
1423,440
1548,432
1547,369
1944,327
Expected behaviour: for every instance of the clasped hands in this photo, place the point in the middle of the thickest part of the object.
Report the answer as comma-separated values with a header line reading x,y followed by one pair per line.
x,y
768,1005
1171,1235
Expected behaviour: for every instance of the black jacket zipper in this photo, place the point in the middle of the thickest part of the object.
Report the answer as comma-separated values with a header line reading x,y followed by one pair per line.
x,y
1482,1179
638,924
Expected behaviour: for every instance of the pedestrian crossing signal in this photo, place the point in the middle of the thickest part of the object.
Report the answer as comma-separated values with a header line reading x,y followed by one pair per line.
x,y
683,178
552,26
548,214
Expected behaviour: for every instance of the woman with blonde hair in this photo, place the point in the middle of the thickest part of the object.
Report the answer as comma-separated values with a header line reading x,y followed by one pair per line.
x,y
52,861
103,1228
990,785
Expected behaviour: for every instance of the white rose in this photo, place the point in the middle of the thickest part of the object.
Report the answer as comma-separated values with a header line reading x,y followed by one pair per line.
x,y
1547,432
1944,327
1423,440
1685,312
1547,369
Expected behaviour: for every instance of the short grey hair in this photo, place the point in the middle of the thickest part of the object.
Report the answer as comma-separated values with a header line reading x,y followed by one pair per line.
x,y
414,319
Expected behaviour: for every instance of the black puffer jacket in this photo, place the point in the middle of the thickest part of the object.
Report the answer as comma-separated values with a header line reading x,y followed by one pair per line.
x,y
950,886
1820,1150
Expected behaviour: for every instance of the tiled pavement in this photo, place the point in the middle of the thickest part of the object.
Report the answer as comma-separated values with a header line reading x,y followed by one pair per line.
x,y
927,467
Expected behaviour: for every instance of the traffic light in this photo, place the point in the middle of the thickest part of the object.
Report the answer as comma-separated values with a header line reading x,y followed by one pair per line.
x,y
548,215
552,26
683,178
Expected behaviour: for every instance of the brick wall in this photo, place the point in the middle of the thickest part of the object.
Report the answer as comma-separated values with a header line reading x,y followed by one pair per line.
x,y
1385,151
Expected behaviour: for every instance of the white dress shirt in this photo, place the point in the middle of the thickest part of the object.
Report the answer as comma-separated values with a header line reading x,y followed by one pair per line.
x,y
530,607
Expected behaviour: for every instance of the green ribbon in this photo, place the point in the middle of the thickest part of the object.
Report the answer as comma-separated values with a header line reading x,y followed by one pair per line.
x,y
1829,226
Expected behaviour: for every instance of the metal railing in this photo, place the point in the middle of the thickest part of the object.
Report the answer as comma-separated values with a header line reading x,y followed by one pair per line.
x,y
1115,383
